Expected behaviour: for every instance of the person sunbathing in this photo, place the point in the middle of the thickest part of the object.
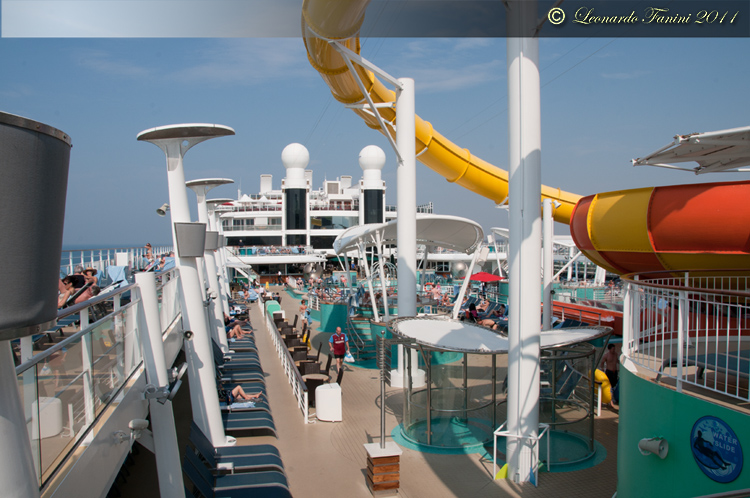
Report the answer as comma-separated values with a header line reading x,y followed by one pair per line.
x,y
498,313
66,291
236,332
89,274
237,394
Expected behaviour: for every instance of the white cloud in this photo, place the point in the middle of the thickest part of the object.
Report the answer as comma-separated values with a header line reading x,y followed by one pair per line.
x,y
227,61
440,65
103,62
249,61
442,79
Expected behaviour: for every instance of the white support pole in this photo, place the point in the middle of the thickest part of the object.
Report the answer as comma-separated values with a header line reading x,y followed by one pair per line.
x,y
547,228
407,208
30,393
407,199
627,320
175,142
381,270
371,291
568,266
465,284
17,473
221,259
216,310
571,263
166,448
524,142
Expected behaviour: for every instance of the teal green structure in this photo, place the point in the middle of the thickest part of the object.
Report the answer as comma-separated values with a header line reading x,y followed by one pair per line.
x,y
650,410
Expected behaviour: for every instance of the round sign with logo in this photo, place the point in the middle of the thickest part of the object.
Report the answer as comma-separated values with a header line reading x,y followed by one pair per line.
x,y
716,449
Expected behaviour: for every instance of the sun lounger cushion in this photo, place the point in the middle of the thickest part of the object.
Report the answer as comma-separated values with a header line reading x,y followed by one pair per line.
x,y
202,443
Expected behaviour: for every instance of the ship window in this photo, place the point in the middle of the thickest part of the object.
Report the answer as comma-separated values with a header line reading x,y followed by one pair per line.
x,y
296,206
373,206
296,240
333,222
325,242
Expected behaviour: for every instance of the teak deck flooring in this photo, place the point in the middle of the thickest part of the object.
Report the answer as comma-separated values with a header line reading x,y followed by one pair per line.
x,y
328,459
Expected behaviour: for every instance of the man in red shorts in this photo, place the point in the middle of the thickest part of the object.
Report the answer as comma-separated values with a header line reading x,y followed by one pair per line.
x,y
339,346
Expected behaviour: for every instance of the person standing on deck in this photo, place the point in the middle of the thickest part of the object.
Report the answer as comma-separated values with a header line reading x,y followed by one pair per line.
x,y
611,362
339,346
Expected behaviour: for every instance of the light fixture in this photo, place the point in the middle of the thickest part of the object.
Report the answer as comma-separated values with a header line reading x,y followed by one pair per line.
x,y
556,203
163,209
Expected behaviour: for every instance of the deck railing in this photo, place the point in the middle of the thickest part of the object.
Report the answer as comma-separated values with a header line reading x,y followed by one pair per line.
x,y
100,259
66,388
299,388
690,330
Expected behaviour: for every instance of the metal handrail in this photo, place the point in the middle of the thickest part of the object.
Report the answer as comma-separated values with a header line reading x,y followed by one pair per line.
x,y
689,329
290,368
64,343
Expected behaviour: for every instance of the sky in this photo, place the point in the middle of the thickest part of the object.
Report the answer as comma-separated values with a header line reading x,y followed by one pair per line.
x,y
604,102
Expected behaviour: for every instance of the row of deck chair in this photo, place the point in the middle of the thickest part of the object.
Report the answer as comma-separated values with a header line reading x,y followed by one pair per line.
x,y
244,368
255,470
234,471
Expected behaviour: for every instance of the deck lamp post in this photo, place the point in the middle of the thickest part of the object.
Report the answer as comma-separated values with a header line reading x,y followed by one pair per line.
x,y
175,141
201,188
221,261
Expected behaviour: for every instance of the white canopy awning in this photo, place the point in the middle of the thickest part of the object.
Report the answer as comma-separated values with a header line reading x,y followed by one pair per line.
x,y
449,232
563,240
715,151
453,335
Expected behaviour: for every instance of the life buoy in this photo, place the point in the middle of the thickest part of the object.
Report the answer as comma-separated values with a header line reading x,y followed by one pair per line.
x,y
428,286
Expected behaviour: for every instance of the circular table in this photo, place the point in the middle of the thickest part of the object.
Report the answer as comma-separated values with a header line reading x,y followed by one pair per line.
x,y
312,381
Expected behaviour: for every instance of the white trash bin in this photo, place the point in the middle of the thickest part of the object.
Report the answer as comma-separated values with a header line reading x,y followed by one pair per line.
x,y
328,402
50,418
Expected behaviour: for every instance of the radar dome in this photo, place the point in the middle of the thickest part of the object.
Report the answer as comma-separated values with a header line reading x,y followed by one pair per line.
x,y
371,157
295,156
312,270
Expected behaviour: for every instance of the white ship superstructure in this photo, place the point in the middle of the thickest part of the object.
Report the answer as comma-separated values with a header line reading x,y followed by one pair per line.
x,y
297,224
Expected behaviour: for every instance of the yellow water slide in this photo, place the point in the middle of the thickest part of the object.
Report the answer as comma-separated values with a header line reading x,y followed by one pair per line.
x,y
340,20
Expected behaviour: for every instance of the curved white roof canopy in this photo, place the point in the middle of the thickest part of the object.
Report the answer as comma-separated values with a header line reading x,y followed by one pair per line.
x,y
724,150
453,335
449,232
563,240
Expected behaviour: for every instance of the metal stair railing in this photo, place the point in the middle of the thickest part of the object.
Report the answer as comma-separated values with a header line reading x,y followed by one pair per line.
x,y
356,340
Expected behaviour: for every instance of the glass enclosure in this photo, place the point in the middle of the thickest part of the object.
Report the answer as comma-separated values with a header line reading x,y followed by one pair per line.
x,y
464,400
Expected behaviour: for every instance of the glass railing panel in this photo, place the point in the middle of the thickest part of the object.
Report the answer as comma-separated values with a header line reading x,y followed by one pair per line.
x,y
27,388
67,385
64,401
108,365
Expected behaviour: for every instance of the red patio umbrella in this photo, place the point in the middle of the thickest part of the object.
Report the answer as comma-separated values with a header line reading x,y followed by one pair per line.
x,y
483,276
